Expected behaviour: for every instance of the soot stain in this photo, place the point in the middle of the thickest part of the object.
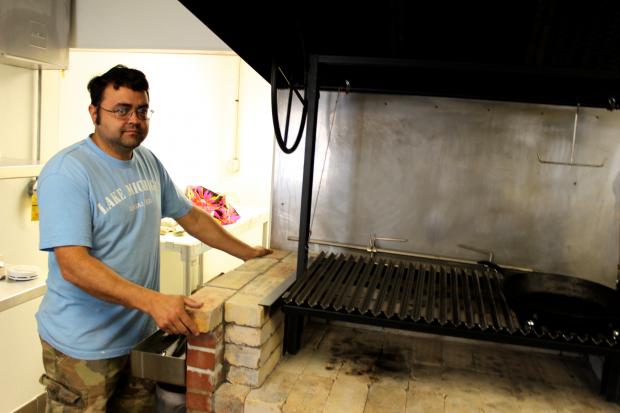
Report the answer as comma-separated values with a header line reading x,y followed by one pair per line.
x,y
368,361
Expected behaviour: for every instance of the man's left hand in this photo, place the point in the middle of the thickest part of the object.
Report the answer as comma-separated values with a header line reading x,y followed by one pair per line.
x,y
259,251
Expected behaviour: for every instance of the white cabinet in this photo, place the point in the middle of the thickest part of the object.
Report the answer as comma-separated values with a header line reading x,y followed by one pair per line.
x,y
186,263
14,168
20,356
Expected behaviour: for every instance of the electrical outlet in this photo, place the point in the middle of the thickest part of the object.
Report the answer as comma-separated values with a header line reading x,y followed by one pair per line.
x,y
233,166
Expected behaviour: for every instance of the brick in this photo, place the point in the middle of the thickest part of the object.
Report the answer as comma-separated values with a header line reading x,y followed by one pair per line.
x,y
308,395
210,314
293,257
230,398
280,254
204,359
263,285
271,396
253,357
254,377
208,340
253,336
199,402
233,280
258,264
348,394
281,270
385,398
198,381
243,309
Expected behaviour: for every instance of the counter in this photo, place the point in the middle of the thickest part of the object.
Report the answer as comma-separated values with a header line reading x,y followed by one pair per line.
x,y
13,293
192,251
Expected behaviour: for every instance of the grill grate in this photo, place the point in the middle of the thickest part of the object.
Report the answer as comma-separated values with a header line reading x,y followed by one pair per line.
x,y
459,296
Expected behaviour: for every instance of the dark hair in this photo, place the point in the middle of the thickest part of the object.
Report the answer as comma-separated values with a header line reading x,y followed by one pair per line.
x,y
118,76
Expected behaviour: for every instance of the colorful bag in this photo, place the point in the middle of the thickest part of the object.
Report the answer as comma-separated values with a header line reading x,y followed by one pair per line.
x,y
214,203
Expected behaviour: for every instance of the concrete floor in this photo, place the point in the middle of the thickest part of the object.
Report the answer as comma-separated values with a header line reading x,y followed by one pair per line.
x,y
341,369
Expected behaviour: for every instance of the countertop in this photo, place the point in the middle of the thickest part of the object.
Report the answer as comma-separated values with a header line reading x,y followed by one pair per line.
x,y
250,217
13,293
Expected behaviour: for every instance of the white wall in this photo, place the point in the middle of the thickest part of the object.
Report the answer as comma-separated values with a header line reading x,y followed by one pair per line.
x,y
139,24
193,129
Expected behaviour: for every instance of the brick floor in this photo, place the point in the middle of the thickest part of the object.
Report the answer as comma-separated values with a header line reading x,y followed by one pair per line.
x,y
356,370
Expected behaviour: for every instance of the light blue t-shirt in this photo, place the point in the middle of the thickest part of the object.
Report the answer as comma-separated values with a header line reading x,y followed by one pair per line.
x,y
113,207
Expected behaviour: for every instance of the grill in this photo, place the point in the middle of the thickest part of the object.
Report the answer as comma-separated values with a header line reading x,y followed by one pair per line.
x,y
461,300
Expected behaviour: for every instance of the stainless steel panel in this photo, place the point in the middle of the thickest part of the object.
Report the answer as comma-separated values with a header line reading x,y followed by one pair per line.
x,y
148,362
35,33
442,172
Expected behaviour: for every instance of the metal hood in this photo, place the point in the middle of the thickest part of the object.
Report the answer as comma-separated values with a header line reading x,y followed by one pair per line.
x,y
35,33
545,51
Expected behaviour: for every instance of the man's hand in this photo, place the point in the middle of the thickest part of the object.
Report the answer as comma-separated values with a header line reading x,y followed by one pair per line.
x,y
259,251
169,313
201,225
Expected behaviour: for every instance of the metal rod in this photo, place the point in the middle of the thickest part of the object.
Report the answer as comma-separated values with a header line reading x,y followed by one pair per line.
x,y
443,302
396,292
312,94
314,281
349,285
572,151
326,281
361,281
419,293
572,148
39,113
336,286
456,308
386,283
430,298
403,253
406,296
372,285
301,282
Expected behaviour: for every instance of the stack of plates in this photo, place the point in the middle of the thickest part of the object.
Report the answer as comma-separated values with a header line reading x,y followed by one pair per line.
x,y
23,272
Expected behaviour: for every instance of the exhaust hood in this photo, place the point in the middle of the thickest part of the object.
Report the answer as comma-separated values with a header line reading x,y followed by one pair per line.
x,y
544,51
35,33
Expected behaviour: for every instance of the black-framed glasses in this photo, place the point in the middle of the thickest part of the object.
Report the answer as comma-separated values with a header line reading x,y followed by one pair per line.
x,y
124,113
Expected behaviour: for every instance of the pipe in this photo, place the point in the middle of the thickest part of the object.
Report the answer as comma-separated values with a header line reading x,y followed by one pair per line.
x,y
403,253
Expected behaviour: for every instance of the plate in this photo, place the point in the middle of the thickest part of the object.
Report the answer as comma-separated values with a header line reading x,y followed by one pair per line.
x,y
23,272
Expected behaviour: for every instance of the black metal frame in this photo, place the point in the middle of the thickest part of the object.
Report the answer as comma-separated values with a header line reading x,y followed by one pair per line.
x,y
294,315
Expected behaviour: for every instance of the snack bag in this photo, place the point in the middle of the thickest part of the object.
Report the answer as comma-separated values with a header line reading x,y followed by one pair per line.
x,y
212,202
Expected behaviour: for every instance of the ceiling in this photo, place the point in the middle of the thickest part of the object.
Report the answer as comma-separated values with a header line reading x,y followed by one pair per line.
x,y
545,51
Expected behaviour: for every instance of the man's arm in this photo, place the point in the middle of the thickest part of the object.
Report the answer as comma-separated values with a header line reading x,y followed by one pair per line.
x,y
201,225
91,275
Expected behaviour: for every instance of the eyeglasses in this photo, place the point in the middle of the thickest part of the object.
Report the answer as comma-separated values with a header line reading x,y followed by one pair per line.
x,y
124,113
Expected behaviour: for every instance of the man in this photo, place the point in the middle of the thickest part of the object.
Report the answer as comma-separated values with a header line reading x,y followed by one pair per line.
x,y
101,201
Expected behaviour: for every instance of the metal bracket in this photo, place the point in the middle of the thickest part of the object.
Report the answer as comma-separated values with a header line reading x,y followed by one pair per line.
x,y
572,151
372,243
32,186
478,250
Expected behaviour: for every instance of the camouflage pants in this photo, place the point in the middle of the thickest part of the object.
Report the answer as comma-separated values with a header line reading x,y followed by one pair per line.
x,y
75,385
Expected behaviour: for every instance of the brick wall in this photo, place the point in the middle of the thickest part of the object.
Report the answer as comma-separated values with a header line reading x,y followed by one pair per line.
x,y
241,341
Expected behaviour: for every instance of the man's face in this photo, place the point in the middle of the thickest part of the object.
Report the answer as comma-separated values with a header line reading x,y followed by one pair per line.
x,y
119,137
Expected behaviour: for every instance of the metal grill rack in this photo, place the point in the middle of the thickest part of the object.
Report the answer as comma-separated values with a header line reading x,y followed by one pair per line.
x,y
437,297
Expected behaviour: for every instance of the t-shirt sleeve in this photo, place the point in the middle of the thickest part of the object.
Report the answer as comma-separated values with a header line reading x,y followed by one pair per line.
x,y
174,204
64,212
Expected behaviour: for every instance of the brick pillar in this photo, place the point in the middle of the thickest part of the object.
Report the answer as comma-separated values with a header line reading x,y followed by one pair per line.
x,y
204,369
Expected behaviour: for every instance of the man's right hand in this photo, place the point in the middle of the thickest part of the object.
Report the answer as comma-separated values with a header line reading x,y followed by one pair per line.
x,y
170,314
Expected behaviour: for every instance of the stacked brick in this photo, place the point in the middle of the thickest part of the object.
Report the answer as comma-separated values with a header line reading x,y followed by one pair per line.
x,y
242,340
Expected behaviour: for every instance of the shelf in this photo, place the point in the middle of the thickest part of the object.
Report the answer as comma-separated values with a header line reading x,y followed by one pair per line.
x,y
16,168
